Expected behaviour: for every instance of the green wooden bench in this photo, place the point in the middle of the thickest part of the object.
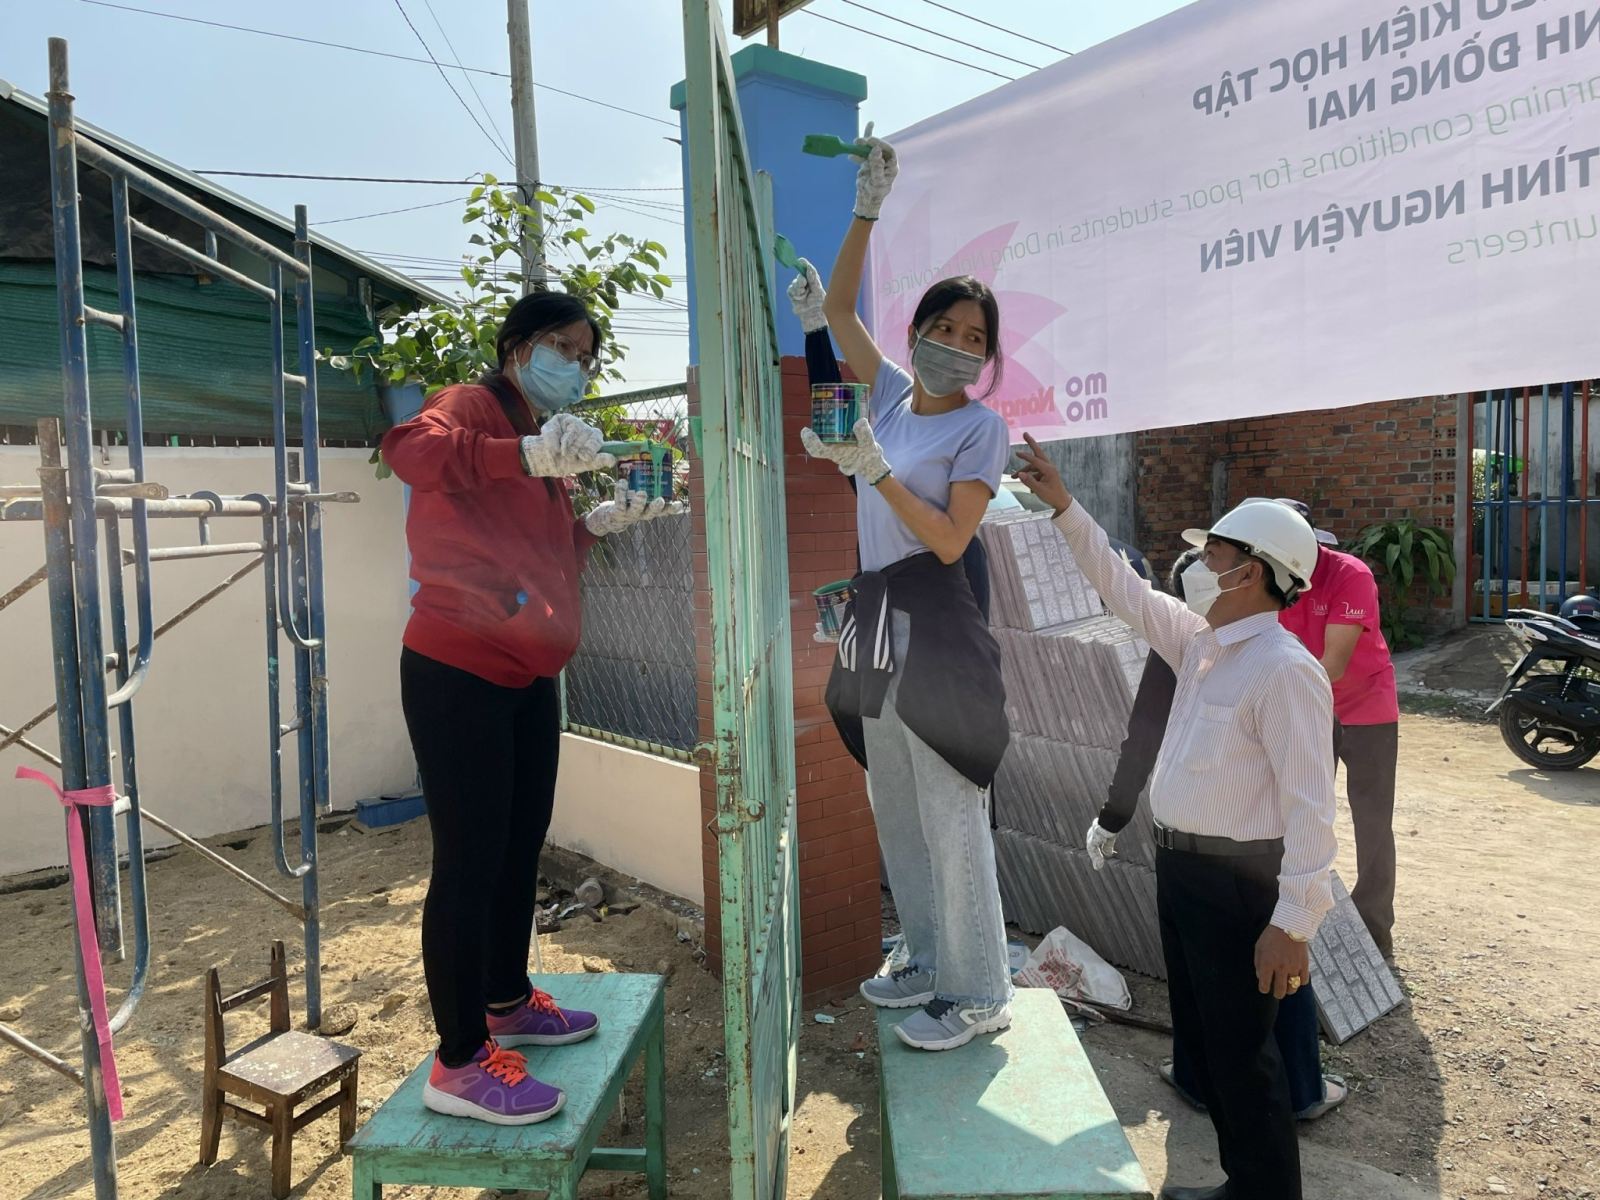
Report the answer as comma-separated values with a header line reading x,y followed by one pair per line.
x,y
407,1143
1016,1114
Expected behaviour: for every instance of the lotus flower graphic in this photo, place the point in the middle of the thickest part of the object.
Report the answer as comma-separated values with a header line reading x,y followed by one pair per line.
x,y
1023,315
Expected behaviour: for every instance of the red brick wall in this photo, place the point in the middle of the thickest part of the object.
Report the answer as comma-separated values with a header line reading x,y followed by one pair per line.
x,y
840,906
1354,466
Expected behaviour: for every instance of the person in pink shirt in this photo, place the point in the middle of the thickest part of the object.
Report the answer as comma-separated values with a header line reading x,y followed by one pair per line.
x,y
1338,622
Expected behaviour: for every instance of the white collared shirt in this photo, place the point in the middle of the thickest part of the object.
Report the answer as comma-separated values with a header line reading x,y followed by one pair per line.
x,y
1248,752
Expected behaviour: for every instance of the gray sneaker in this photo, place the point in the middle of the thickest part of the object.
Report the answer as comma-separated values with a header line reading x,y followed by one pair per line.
x,y
944,1025
906,987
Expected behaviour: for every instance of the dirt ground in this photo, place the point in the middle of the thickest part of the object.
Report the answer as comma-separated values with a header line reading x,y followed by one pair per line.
x,y
1485,1084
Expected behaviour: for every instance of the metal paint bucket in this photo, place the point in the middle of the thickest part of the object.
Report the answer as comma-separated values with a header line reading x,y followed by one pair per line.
x,y
832,600
835,409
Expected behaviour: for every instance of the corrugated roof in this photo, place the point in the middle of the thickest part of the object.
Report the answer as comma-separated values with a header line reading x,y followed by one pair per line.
x,y
386,277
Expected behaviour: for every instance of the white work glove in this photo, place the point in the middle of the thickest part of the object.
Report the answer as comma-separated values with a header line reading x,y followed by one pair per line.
x,y
806,295
626,510
564,446
1100,844
875,176
861,457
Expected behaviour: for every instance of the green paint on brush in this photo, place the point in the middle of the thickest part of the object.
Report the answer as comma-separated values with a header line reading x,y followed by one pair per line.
x,y
783,250
827,145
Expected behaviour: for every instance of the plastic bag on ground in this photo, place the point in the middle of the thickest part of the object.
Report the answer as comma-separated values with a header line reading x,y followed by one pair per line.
x,y
1073,971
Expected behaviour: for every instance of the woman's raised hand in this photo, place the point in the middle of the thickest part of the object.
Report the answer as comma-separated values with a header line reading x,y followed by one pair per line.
x,y
875,177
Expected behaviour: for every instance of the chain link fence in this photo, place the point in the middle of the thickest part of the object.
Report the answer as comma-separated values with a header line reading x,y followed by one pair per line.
x,y
632,680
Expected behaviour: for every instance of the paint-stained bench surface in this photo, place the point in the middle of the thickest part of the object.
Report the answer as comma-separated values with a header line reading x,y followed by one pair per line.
x,y
1016,1114
406,1143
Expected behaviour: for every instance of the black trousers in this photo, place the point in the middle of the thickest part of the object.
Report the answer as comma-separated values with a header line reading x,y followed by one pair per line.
x,y
488,758
1370,754
1212,910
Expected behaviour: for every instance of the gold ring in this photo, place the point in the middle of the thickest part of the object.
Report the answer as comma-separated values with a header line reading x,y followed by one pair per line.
x,y
1294,982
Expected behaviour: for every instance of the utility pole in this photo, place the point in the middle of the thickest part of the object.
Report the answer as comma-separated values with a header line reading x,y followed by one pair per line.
x,y
526,136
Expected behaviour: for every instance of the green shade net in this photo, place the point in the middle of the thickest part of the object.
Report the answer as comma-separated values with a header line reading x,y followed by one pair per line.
x,y
204,357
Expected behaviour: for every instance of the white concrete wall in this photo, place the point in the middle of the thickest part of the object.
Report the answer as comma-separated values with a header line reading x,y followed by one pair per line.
x,y
201,716
634,812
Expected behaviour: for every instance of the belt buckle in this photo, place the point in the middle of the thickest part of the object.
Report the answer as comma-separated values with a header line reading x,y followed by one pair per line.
x,y
1163,837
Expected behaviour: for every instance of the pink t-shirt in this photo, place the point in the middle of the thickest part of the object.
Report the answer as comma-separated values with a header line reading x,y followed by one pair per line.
x,y
1343,592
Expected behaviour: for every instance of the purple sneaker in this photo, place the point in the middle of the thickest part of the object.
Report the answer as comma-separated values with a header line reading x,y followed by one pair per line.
x,y
495,1087
540,1022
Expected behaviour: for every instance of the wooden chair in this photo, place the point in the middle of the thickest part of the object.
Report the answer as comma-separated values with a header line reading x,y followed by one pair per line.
x,y
280,1071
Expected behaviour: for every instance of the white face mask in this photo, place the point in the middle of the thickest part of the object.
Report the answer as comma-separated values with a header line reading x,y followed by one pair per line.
x,y
1202,586
943,370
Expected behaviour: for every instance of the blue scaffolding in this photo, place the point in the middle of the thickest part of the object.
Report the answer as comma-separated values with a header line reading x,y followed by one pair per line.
x,y
82,508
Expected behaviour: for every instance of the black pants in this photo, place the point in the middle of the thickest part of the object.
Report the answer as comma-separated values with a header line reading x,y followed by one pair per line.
x,y
1212,910
1370,754
1299,1041
488,758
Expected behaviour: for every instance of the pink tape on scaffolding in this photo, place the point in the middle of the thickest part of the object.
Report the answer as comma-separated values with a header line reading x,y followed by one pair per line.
x,y
83,910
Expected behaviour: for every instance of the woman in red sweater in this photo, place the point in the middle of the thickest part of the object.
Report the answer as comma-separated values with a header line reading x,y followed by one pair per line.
x,y
496,553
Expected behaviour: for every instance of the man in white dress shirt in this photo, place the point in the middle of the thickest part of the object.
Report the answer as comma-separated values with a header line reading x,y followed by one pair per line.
x,y
1243,801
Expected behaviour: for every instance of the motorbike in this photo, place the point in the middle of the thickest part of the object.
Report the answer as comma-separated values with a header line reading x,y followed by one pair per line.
x,y
1549,709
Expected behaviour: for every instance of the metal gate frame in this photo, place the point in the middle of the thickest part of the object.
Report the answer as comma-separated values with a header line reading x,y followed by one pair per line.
x,y
1500,424
741,410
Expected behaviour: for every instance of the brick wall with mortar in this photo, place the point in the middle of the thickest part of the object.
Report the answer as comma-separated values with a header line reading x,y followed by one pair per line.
x,y
1354,466
840,905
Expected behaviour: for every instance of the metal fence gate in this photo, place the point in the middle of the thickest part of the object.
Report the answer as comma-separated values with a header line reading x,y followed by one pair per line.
x,y
752,675
1534,540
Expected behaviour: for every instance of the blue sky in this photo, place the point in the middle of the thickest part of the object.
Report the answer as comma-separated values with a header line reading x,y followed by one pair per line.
x,y
215,99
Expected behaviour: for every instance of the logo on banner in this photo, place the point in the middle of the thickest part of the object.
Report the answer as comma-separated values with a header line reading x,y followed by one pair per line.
x,y
1083,398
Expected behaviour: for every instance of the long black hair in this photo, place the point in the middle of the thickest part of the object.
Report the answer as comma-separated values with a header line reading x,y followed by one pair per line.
x,y
536,315
945,295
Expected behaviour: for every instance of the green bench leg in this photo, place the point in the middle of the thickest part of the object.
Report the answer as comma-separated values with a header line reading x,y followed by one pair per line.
x,y
655,1105
889,1188
366,1187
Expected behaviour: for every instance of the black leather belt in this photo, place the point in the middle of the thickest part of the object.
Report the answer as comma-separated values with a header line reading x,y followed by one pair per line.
x,y
1199,843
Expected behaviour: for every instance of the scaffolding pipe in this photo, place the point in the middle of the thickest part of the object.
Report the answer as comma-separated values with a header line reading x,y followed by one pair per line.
x,y
97,156
13,1038
129,792
211,550
23,588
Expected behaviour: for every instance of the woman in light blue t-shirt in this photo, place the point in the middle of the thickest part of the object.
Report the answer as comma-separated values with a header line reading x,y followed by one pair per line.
x,y
916,690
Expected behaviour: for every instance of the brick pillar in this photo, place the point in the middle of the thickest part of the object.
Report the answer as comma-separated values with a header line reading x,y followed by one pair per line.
x,y
840,906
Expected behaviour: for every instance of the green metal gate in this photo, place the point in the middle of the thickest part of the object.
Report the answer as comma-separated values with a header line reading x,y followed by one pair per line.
x,y
741,445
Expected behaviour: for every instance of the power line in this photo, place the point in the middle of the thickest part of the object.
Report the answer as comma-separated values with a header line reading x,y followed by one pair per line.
x,y
467,108
394,179
947,37
919,49
493,124
289,37
1001,28
391,211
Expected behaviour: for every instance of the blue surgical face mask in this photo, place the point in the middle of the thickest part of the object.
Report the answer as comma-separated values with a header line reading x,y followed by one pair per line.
x,y
548,381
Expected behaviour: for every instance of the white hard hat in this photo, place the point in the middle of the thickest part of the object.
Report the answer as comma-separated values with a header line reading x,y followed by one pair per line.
x,y
1273,532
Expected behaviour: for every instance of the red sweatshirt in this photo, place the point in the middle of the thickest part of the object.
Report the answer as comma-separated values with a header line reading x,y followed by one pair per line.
x,y
481,531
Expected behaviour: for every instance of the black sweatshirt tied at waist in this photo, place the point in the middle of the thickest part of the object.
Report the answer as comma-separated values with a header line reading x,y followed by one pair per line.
x,y
951,693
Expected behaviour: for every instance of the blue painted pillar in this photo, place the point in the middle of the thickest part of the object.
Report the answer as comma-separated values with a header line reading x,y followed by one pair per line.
x,y
783,97
400,403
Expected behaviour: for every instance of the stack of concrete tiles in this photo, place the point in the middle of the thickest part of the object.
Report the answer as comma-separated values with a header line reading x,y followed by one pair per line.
x,y
1070,673
1033,581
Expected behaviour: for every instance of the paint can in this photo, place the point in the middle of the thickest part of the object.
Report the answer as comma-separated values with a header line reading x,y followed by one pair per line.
x,y
835,409
832,600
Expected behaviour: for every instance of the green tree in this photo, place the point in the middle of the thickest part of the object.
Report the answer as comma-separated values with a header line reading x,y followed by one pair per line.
x,y
449,343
